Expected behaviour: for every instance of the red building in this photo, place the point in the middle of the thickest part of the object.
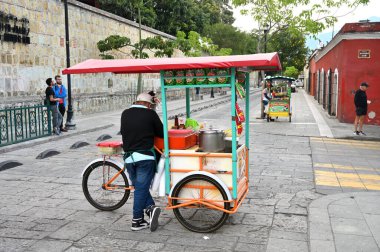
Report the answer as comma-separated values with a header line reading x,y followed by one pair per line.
x,y
336,71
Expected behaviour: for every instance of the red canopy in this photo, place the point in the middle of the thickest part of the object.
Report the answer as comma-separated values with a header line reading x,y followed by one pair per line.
x,y
264,61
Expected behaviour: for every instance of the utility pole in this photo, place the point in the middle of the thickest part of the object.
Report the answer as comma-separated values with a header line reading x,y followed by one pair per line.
x,y
139,80
70,125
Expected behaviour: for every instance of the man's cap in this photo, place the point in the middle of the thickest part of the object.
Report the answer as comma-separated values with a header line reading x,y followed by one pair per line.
x,y
365,84
144,97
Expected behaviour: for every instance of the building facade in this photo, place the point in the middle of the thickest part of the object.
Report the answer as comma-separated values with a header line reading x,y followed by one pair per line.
x,y
335,71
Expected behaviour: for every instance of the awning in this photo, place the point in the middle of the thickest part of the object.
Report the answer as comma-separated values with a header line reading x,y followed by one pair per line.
x,y
265,61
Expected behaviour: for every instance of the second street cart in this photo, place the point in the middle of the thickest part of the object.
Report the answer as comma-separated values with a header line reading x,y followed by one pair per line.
x,y
280,104
202,187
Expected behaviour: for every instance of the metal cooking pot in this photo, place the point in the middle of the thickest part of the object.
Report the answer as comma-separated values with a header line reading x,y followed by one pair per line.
x,y
211,140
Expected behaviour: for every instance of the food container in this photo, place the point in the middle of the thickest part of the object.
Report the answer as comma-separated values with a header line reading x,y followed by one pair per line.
x,y
211,76
167,80
223,80
180,81
178,140
190,77
110,148
200,74
211,140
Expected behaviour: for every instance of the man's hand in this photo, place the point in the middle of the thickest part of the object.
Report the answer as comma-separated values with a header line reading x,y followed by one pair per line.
x,y
368,102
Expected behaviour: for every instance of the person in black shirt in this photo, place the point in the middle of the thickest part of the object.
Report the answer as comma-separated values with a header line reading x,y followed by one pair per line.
x,y
139,126
52,102
361,104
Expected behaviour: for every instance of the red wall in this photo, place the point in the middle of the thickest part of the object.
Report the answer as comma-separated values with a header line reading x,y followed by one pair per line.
x,y
353,71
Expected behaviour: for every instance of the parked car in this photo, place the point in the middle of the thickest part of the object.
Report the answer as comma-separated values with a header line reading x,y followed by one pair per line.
x,y
298,83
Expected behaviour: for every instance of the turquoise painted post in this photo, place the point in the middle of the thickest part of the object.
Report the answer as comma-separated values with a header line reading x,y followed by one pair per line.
x,y
166,138
247,110
233,127
247,118
187,102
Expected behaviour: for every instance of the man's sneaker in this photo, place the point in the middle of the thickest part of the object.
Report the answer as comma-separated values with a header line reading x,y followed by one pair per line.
x,y
362,133
153,212
138,224
356,133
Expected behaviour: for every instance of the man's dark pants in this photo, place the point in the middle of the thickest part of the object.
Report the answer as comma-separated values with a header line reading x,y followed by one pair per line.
x,y
141,174
62,110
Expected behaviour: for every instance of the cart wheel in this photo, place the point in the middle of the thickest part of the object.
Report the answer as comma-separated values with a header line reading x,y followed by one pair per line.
x,y
290,119
94,178
268,119
198,217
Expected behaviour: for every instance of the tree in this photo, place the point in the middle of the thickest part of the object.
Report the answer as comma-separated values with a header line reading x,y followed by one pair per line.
x,y
170,16
128,10
302,16
291,47
227,36
291,72
194,45
117,43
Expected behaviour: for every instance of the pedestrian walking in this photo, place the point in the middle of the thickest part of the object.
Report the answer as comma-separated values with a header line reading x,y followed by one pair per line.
x,y
52,103
139,126
61,93
361,104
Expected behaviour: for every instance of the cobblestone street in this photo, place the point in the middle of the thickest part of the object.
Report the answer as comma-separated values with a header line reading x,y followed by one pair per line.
x,y
42,206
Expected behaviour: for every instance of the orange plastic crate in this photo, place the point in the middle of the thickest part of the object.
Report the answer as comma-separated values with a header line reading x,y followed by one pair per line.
x,y
177,141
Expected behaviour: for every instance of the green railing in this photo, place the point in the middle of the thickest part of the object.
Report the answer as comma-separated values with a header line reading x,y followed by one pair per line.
x,y
21,124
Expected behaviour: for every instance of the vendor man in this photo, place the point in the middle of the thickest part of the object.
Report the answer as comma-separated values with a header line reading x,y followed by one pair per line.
x,y
139,126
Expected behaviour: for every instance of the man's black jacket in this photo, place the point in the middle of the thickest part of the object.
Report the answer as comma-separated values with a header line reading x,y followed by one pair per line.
x,y
360,99
138,128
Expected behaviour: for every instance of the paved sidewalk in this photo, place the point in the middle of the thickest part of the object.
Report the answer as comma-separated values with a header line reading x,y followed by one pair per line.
x,y
345,222
342,162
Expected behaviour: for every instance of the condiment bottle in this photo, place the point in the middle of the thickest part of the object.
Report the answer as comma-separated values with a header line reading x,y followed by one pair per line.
x,y
176,124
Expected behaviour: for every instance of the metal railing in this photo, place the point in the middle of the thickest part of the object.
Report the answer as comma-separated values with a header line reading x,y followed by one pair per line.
x,y
21,124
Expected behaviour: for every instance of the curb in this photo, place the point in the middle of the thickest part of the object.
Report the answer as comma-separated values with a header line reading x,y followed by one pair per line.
x,y
365,138
35,142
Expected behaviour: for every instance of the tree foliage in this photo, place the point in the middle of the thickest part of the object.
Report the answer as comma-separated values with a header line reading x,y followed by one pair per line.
x,y
291,72
291,47
227,36
306,16
116,43
194,45
170,16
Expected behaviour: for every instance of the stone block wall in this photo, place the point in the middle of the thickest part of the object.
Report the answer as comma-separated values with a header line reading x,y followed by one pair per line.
x,y
24,68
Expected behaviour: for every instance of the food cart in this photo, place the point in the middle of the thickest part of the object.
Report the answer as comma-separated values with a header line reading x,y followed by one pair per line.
x,y
280,104
202,187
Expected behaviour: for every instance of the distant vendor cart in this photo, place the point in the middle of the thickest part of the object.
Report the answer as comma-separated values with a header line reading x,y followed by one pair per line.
x,y
280,104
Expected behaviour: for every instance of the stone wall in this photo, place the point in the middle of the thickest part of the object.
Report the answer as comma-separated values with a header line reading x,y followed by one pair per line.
x,y
24,68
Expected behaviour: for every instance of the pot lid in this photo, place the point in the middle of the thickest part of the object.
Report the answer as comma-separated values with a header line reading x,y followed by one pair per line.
x,y
211,131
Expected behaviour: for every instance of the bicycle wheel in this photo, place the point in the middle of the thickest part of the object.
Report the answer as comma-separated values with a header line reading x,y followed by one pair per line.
x,y
198,217
94,179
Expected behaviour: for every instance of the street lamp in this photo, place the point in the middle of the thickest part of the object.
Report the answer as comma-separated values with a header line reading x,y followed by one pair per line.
x,y
266,30
70,125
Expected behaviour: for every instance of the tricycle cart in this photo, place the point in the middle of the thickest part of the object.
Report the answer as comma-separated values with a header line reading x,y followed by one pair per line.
x,y
280,105
202,188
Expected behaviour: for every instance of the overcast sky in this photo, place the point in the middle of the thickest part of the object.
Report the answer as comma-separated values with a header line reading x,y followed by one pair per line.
x,y
246,23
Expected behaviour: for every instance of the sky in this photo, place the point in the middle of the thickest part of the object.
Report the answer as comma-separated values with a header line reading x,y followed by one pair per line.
x,y
245,23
